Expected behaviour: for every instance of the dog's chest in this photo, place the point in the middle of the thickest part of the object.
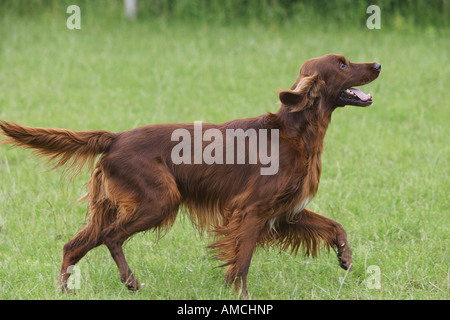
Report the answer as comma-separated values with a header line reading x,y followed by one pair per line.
x,y
308,186
299,207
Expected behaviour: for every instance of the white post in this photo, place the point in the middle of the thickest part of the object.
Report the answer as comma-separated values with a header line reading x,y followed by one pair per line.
x,y
130,8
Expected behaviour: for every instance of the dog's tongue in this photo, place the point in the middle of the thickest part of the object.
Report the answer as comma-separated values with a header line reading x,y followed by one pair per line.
x,y
361,95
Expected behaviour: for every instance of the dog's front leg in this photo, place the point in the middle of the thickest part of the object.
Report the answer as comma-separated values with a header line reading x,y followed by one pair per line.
x,y
311,227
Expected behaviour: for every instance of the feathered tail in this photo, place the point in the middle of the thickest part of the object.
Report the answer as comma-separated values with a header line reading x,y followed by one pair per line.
x,y
60,146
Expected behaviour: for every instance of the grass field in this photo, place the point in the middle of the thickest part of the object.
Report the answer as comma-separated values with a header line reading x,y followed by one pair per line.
x,y
385,168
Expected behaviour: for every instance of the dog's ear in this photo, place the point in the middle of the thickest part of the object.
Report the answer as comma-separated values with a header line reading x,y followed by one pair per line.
x,y
303,93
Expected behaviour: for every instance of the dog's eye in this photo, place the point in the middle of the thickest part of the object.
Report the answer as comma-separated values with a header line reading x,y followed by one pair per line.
x,y
343,65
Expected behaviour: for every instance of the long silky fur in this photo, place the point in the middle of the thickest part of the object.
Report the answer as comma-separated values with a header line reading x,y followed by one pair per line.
x,y
62,147
136,186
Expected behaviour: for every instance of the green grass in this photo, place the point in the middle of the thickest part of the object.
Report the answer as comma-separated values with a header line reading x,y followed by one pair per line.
x,y
385,168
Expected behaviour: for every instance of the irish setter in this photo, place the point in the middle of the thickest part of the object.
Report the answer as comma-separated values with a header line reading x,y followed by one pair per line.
x,y
136,185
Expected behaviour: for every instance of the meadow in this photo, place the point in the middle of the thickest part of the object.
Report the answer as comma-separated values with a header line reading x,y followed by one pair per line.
x,y
385,171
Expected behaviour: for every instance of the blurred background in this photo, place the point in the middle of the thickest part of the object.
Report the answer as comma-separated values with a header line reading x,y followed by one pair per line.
x,y
395,13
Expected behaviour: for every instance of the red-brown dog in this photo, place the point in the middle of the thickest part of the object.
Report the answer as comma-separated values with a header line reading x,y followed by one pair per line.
x,y
137,184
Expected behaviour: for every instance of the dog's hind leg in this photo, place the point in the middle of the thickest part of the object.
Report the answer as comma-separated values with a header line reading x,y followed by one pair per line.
x,y
88,238
101,213
76,249
154,207
148,215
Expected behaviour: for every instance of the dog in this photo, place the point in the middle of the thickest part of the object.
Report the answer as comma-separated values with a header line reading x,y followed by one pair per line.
x,y
138,185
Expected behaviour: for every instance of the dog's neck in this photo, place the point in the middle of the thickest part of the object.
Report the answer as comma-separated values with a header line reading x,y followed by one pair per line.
x,y
308,126
306,130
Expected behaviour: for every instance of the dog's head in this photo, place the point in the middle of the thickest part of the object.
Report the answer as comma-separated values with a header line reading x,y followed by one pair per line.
x,y
331,78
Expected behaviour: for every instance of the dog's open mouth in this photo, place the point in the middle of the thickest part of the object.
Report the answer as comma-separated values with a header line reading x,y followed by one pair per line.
x,y
355,97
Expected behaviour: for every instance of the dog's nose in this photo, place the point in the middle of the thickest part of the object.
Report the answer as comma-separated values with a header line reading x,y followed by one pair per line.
x,y
377,67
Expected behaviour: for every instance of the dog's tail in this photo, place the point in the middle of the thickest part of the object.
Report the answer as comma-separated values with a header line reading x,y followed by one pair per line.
x,y
60,146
